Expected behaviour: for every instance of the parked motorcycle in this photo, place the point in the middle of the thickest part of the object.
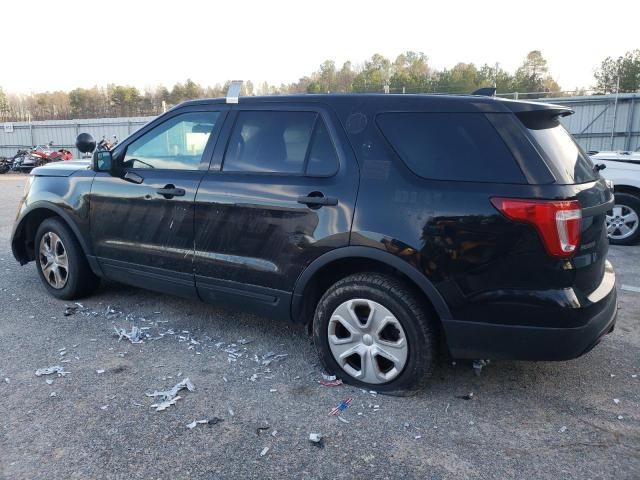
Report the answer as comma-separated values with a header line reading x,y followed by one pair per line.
x,y
25,161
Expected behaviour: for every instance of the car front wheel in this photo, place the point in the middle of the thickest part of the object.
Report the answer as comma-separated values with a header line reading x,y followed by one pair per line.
x,y
61,263
374,331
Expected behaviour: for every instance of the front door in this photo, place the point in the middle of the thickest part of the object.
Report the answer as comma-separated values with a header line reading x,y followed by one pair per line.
x,y
281,193
142,219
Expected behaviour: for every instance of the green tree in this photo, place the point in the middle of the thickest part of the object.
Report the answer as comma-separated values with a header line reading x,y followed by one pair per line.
x,y
125,99
4,105
374,75
410,72
626,67
533,75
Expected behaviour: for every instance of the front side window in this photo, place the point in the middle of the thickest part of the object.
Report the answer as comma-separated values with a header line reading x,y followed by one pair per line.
x,y
177,144
280,142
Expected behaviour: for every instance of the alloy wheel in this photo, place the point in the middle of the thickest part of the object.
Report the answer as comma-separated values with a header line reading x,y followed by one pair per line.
x,y
367,341
53,260
622,222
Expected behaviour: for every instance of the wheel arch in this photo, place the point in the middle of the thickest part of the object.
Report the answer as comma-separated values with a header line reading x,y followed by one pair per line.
x,y
336,264
25,230
627,189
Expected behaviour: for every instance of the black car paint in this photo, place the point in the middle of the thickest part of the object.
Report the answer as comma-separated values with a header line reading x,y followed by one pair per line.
x,y
254,246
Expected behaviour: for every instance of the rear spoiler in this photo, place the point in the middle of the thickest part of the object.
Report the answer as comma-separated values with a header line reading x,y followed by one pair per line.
x,y
537,116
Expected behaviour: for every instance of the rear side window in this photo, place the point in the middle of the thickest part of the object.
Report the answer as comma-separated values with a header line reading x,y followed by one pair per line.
x,y
270,142
563,154
450,146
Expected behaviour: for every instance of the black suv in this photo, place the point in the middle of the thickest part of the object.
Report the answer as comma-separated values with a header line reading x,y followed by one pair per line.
x,y
392,225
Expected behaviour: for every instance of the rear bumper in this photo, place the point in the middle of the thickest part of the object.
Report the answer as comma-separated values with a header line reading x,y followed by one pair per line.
x,y
475,340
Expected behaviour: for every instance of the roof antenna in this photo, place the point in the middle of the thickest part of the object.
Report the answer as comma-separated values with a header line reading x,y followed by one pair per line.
x,y
486,92
234,91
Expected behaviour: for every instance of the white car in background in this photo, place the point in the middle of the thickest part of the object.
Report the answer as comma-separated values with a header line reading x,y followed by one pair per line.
x,y
623,169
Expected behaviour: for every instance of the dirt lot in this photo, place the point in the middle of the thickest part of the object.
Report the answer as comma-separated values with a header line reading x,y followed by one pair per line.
x,y
577,419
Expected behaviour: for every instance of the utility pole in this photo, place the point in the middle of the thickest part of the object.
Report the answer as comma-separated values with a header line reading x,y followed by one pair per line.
x,y
495,76
615,111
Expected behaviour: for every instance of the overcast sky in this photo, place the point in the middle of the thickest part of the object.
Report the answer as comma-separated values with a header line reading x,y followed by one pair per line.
x,y
49,45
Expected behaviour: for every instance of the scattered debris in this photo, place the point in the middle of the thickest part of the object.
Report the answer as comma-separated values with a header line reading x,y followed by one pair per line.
x,y
166,404
169,396
214,421
53,394
620,417
262,429
49,381
316,440
341,407
6,380
231,412
562,429
193,424
468,396
244,341
343,420
328,378
273,390
634,375
264,451
406,424
104,407
274,433
330,383
478,365
70,310
49,370
134,336
616,401
447,408
417,437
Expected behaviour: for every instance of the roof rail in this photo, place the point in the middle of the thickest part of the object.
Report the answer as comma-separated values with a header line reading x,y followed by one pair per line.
x,y
485,92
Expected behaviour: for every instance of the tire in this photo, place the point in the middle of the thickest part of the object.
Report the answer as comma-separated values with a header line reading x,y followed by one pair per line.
x,y
371,298
68,276
623,222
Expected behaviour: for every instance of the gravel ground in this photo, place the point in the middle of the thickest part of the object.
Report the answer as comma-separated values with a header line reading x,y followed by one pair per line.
x,y
576,419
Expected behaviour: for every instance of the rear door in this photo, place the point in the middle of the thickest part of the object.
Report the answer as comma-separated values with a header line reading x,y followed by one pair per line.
x,y
280,193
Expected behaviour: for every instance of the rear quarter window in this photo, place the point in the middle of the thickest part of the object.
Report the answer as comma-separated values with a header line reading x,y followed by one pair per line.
x,y
450,146
565,157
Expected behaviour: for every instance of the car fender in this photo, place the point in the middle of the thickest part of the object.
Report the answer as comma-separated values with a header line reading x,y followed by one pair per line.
x,y
371,253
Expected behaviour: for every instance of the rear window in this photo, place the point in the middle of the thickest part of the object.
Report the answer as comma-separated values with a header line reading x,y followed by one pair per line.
x,y
563,155
450,146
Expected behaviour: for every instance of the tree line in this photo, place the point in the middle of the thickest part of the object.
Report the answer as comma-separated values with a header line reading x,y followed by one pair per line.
x,y
410,72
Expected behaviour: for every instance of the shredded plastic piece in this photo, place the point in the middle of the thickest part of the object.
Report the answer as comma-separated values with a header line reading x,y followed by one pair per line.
x,y
49,370
134,336
341,407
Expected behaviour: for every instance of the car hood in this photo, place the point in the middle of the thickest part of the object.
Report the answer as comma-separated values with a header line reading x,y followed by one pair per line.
x,y
61,169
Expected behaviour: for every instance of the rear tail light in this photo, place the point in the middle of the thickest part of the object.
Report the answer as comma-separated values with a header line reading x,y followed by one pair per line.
x,y
558,222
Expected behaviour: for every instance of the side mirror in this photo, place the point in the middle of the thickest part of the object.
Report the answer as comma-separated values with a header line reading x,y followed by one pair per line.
x,y
103,161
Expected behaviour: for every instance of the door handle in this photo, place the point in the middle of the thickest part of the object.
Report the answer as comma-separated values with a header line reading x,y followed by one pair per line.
x,y
317,201
170,191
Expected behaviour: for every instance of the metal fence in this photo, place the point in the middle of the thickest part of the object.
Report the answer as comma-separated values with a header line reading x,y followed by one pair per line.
x,y
600,122
603,122
63,133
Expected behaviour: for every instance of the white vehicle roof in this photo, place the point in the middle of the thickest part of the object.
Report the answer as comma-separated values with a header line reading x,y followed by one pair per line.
x,y
620,156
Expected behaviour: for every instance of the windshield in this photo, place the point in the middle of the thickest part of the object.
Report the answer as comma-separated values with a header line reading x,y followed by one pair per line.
x,y
564,156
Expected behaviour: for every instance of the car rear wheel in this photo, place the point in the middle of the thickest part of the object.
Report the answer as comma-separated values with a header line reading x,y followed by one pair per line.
x,y
623,221
373,331
61,263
